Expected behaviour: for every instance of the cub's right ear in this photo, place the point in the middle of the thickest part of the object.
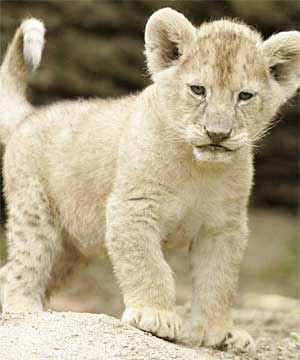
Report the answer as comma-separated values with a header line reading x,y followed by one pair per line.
x,y
167,34
283,54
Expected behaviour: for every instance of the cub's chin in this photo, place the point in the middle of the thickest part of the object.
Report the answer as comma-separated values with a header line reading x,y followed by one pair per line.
x,y
212,153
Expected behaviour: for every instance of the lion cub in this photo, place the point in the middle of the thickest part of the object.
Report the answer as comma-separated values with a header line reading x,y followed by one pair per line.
x,y
124,176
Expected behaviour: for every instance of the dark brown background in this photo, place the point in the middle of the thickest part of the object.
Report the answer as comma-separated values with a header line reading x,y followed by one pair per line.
x,y
95,48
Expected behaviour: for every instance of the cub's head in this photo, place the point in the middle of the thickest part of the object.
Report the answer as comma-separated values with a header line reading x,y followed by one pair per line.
x,y
219,85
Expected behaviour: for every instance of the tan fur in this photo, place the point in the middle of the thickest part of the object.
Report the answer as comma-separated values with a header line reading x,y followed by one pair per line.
x,y
124,176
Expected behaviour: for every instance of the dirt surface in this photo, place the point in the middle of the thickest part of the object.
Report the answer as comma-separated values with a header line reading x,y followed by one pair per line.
x,y
80,336
276,334
74,336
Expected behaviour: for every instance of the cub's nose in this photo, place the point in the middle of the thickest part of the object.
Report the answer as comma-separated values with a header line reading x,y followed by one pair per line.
x,y
217,136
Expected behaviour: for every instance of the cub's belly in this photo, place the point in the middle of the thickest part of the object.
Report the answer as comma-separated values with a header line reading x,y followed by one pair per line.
x,y
88,233
179,234
85,226
84,219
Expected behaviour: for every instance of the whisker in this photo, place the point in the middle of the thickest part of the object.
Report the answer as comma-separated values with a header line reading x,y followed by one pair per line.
x,y
260,134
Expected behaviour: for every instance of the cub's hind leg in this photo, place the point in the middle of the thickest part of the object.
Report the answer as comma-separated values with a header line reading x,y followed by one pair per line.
x,y
65,278
34,243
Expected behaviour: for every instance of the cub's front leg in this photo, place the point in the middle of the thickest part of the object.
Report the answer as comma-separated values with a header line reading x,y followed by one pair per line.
x,y
216,256
134,245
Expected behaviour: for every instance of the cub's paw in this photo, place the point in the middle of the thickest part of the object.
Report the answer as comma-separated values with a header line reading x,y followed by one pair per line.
x,y
235,339
240,340
164,324
21,304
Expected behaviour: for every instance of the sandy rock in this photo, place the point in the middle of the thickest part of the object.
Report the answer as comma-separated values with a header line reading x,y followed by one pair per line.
x,y
75,336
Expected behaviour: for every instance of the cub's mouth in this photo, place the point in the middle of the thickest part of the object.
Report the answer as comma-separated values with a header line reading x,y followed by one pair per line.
x,y
213,148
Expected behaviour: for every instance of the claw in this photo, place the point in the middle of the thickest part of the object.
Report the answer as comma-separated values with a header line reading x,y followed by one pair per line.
x,y
163,324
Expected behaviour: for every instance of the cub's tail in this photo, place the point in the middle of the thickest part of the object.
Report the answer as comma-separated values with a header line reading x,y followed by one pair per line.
x,y
22,57
25,51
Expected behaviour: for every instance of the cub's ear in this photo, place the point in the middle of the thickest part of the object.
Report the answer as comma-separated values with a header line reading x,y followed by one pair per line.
x,y
167,34
283,53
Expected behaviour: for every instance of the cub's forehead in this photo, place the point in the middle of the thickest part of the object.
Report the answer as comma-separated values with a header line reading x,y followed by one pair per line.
x,y
229,28
226,51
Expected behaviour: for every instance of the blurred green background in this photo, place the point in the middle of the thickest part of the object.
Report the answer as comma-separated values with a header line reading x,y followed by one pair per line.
x,y
95,48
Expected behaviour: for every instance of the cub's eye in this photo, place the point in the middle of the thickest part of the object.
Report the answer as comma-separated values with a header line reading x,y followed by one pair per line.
x,y
198,90
245,96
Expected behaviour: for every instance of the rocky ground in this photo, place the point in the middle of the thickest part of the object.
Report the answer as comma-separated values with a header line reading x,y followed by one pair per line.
x,y
75,336
81,336
276,334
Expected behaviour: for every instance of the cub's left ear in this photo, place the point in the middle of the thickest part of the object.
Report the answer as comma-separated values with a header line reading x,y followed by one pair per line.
x,y
167,35
283,53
